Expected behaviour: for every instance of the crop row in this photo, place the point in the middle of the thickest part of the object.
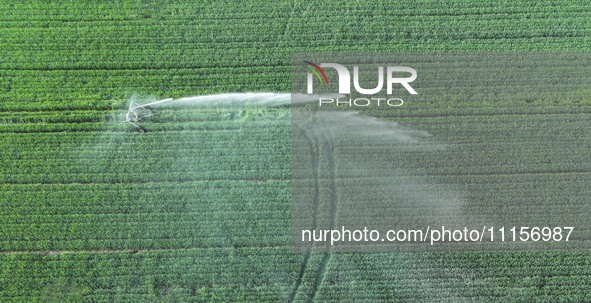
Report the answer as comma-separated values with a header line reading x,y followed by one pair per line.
x,y
270,273
196,272
65,198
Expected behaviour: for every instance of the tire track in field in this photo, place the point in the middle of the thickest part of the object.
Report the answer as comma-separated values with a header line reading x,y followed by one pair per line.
x,y
316,146
333,210
314,150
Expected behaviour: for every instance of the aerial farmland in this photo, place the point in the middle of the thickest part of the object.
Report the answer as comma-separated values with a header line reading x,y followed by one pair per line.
x,y
201,204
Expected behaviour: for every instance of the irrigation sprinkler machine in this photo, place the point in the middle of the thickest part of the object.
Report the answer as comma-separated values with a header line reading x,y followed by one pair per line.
x,y
136,112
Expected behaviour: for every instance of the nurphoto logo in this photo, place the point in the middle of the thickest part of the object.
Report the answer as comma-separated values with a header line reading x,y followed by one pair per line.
x,y
395,75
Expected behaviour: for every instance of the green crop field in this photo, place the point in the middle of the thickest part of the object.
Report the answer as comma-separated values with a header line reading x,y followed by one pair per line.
x,y
198,208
